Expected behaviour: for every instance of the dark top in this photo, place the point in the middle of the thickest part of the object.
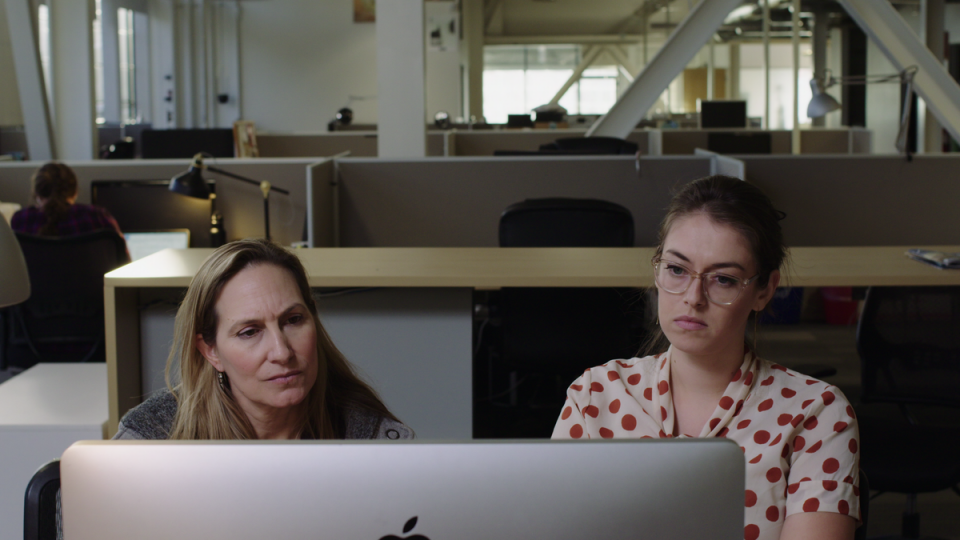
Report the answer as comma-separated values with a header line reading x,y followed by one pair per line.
x,y
153,419
80,218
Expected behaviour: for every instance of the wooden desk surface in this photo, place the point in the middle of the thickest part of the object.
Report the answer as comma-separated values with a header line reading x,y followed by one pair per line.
x,y
491,268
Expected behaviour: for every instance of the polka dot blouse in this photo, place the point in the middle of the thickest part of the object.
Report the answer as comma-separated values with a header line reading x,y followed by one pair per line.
x,y
798,435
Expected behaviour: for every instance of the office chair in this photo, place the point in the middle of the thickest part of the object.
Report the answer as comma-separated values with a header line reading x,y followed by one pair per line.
x,y
591,145
551,335
63,320
41,505
910,374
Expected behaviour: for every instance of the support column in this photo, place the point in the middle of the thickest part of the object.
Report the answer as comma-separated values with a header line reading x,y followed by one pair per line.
x,y
30,84
733,73
472,57
795,41
820,29
71,36
854,96
933,33
401,66
766,64
690,36
711,74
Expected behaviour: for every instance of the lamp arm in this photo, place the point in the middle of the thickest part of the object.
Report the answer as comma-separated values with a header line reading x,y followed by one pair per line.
x,y
244,179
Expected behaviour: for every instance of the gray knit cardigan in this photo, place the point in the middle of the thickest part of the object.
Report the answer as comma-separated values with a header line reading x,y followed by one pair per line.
x,y
153,419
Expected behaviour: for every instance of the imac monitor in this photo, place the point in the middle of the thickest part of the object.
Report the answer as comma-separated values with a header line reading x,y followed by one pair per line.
x,y
723,114
379,490
149,205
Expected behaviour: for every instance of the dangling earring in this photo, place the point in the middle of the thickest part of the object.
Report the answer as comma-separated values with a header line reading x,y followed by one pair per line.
x,y
222,381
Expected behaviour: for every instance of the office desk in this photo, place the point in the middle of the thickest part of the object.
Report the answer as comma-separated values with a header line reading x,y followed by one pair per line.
x,y
413,338
44,410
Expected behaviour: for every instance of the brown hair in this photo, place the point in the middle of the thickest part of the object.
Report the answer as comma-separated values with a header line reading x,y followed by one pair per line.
x,y
56,184
734,203
207,411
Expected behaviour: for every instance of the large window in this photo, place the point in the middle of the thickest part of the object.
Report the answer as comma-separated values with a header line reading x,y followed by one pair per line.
x,y
98,61
517,79
128,66
43,35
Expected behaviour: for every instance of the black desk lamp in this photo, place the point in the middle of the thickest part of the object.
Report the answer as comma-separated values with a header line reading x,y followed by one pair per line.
x,y
192,184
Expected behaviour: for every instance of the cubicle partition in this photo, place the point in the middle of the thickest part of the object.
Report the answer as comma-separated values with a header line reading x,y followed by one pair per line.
x,y
862,200
241,204
457,202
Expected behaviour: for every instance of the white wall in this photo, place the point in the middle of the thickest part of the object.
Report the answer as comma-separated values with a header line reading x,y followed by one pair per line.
x,y
301,60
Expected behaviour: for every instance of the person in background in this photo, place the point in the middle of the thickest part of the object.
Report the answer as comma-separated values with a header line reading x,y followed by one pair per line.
x,y
56,212
716,267
254,362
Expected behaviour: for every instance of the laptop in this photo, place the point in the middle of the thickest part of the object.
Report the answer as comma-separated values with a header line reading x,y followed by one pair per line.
x,y
143,243
381,490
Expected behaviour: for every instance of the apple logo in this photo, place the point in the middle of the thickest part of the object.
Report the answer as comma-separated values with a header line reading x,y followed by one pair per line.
x,y
411,523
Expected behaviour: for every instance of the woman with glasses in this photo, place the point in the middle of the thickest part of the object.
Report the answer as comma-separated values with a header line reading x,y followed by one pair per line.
x,y
716,267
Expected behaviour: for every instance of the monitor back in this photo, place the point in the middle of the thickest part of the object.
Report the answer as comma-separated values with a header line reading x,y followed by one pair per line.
x,y
374,490
149,205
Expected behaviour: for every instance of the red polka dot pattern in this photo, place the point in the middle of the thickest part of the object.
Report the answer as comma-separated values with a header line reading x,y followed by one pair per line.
x,y
751,532
788,427
774,475
614,406
773,513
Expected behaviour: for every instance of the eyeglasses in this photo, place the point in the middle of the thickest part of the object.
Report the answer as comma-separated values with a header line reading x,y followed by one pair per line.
x,y
721,289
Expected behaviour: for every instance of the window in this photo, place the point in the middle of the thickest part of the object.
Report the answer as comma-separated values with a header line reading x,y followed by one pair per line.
x,y
128,67
43,35
98,62
517,79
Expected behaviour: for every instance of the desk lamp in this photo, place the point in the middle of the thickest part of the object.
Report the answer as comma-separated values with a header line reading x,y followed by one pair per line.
x,y
192,184
14,280
823,103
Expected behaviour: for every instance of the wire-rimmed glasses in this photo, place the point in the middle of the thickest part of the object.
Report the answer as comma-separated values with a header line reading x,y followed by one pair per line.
x,y
719,288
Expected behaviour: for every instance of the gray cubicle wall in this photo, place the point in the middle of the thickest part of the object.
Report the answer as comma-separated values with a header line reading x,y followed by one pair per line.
x,y
486,142
457,202
863,200
358,143
241,204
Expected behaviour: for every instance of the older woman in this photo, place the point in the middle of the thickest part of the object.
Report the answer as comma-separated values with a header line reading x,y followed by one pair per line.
x,y
255,362
717,266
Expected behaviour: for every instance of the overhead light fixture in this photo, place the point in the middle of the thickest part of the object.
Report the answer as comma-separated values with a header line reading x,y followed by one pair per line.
x,y
823,103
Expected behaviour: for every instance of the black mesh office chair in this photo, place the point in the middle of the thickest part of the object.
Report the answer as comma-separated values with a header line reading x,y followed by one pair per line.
x,y
63,319
41,505
553,334
909,344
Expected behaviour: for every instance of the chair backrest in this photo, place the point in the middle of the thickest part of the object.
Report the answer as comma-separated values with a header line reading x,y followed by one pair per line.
x,y
562,222
64,313
41,506
567,330
591,145
909,345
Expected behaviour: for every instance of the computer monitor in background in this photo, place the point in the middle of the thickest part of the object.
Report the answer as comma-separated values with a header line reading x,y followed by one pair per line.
x,y
722,114
148,205
739,142
562,490
185,143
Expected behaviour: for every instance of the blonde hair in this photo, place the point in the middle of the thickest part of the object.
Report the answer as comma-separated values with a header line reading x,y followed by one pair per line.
x,y
205,410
